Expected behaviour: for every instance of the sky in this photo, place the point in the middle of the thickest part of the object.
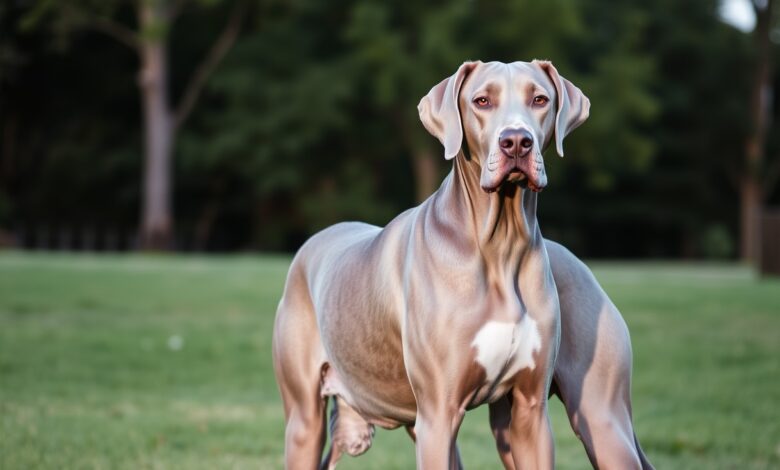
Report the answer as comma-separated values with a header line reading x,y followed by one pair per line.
x,y
738,13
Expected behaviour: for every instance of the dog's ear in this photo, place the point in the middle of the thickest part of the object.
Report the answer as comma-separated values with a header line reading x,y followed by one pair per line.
x,y
439,111
573,105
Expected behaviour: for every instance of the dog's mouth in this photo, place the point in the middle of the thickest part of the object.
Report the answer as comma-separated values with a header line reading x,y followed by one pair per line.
x,y
517,176
515,172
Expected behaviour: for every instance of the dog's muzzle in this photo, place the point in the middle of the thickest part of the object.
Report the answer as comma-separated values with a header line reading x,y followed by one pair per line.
x,y
518,160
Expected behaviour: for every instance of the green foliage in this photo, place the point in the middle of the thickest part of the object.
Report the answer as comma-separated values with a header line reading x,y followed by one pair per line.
x,y
618,85
64,17
717,243
311,119
93,374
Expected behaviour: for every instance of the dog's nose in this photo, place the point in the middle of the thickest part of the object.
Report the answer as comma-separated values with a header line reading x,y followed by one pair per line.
x,y
515,142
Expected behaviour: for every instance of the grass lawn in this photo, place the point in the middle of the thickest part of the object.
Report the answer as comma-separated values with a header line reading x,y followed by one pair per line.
x,y
164,362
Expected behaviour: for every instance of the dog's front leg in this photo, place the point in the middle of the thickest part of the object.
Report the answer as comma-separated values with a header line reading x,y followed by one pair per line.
x,y
436,431
530,431
439,412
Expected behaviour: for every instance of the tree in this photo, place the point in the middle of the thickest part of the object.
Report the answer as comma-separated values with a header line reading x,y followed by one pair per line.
x,y
400,52
161,120
403,50
751,185
699,132
311,118
343,136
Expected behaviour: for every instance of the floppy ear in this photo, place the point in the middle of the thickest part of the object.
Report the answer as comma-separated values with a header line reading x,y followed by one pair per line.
x,y
573,105
439,111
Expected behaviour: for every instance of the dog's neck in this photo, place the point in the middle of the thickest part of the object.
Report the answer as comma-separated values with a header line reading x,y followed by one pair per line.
x,y
502,222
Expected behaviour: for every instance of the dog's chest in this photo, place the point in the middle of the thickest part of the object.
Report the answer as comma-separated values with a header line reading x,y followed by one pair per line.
x,y
505,348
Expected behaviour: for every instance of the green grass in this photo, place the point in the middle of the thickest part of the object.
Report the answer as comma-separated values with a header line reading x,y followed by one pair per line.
x,y
90,375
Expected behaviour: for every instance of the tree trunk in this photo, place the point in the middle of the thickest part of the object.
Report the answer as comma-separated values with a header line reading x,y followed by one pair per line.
x,y
760,102
750,219
426,174
156,218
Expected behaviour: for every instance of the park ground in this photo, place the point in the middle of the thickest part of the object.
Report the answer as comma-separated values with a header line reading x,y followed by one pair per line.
x,y
131,362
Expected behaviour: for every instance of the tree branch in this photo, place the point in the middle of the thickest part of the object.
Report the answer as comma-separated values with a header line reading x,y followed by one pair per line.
x,y
116,30
106,25
215,55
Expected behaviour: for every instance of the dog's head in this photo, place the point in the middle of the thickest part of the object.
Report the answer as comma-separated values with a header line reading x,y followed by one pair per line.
x,y
510,113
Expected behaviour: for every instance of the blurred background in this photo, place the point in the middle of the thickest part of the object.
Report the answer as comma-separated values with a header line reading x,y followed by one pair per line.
x,y
160,160
248,125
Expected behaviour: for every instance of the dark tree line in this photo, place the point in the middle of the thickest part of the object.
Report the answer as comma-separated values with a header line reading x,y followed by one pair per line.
x,y
283,117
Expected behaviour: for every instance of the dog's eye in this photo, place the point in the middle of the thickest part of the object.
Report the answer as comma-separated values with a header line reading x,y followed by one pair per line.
x,y
541,100
482,102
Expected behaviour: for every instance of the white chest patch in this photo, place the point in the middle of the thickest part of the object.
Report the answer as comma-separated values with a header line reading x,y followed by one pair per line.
x,y
507,347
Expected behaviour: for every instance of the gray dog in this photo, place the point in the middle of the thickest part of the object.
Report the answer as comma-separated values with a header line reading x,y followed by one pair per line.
x,y
459,301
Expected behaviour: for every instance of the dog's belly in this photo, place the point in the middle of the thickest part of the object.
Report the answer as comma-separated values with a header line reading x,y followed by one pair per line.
x,y
369,373
357,303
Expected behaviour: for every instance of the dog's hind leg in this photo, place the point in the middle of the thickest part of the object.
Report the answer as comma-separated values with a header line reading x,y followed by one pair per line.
x,y
593,379
500,415
593,370
298,359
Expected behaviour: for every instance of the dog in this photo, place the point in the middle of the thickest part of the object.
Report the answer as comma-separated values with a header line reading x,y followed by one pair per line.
x,y
459,301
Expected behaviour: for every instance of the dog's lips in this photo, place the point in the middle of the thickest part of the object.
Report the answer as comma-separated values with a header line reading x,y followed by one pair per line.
x,y
533,187
518,177
523,171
